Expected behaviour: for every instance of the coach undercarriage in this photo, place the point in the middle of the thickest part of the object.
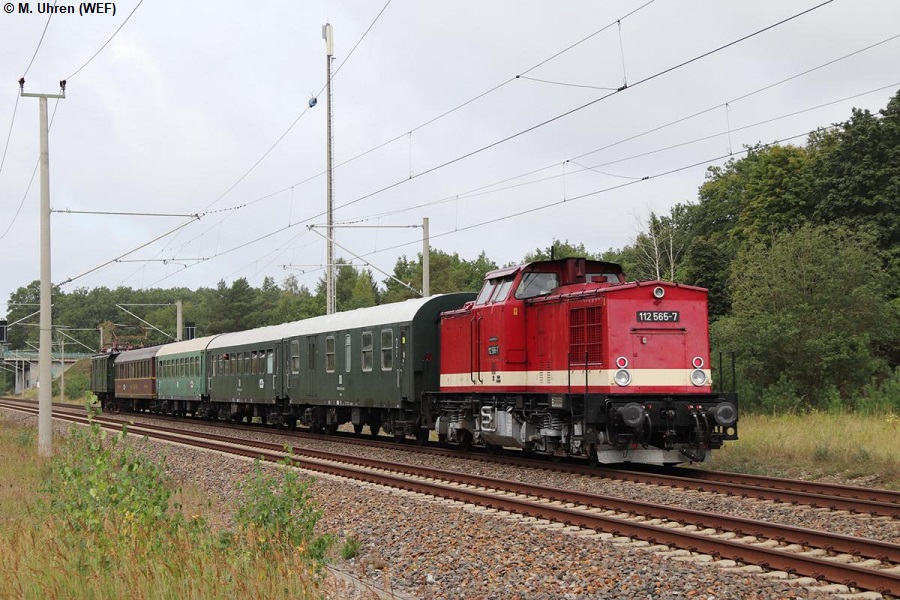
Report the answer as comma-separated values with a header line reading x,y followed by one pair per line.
x,y
601,428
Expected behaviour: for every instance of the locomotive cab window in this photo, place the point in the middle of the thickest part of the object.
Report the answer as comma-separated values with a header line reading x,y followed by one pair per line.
x,y
502,290
537,284
485,292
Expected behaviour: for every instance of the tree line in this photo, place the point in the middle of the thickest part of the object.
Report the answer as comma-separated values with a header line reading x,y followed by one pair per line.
x,y
799,247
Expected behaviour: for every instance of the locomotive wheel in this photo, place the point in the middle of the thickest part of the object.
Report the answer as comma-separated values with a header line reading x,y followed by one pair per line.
x,y
465,440
442,439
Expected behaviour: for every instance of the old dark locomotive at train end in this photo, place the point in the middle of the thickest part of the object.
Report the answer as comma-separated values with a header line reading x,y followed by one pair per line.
x,y
560,358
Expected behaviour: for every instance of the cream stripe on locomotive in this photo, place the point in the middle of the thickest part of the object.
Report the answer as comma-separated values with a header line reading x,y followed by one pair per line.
x,y
600,377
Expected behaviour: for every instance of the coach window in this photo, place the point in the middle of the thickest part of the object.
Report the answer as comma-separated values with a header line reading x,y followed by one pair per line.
x,y
367,351
246,363
295,356
347,352
387,349
329,354
270,362
311,353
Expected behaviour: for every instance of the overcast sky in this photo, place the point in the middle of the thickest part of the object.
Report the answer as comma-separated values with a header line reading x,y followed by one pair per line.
x,y
188,97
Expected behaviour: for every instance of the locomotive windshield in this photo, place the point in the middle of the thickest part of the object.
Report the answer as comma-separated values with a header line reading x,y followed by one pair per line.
x,y
494,290
537,284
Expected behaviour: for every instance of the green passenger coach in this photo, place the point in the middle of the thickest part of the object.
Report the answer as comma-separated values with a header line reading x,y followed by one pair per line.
x,y
182,370
368,366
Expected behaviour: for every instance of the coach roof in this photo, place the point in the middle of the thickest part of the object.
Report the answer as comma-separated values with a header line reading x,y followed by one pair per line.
x,y
373,316
194,345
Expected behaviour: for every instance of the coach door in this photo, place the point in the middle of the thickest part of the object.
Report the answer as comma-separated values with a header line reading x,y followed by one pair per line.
x,y
402,378
310,365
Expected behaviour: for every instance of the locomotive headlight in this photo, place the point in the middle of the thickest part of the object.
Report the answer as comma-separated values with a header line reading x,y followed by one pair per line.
x,y
622,377
725,414
698,377
697,362
658,292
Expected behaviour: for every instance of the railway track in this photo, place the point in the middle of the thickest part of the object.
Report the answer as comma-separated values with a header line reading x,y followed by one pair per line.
x,y
878,502
856,562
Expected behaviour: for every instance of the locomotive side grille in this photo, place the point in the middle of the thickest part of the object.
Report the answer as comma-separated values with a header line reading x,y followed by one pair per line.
x,y
586,335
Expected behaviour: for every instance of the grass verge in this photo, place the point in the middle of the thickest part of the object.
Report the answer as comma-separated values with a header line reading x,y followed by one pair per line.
x,y
856,449
97,521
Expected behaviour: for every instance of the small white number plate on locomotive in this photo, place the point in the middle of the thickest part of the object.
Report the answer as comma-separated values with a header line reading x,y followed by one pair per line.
x,y
658,316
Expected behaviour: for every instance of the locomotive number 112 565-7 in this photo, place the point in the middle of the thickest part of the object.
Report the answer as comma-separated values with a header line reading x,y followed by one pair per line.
x,y
658,316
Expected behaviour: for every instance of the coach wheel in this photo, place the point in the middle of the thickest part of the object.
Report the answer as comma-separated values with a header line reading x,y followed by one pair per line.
x,y
592,459
422,436
374,429
331,429
357,428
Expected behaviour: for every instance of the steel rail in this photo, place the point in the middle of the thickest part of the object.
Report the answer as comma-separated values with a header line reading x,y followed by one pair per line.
x,y
778,483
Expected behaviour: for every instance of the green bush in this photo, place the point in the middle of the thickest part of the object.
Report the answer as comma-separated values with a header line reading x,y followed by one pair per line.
x,y
279,512
350,549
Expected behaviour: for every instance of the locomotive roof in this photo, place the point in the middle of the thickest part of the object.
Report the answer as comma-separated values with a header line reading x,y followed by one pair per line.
x,y
588,262
194,345
373,316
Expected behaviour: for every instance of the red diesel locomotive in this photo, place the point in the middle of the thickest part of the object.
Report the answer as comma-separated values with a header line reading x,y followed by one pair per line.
x,y
564,357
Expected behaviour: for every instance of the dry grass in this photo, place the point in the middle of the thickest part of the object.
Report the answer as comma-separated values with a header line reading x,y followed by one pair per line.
x,y
834,446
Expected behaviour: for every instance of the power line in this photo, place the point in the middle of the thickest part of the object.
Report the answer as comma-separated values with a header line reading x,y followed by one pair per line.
x,y
12,122
586,105
40,41
607,146
649,78
78,70
30,181
599,191
492,188
300,116
644,80
416,128
478,191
